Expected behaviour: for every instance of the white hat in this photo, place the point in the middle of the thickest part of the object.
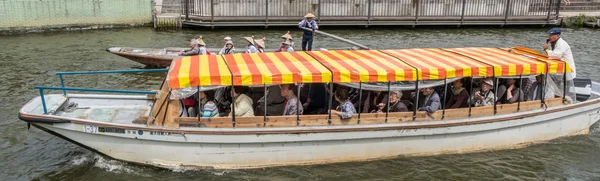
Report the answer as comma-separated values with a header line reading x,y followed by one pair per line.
x,y
287,42
250,39
488,81
260,42
227,38
288,36
200,41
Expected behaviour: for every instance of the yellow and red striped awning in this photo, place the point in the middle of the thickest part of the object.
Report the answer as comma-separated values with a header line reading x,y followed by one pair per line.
x,y
276,68
351,66
365,66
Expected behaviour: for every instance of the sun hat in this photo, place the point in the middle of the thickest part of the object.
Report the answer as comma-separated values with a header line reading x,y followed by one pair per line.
x,y
288,36
200,41
227,38
250,39
488,81
309,15
260,42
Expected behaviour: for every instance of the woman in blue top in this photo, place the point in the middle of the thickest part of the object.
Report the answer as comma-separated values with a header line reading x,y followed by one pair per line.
x,y
209,108
346,109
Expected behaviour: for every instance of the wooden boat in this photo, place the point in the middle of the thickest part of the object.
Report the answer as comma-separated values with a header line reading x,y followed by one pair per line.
x,y
161,57
147,128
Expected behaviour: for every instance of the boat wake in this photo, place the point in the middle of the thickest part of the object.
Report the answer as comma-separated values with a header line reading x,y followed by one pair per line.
x,y
111,165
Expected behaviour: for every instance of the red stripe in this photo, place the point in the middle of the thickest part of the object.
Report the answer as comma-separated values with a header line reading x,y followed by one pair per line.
x,y
475,65
254,72
407,69
213,68
336,74
391,73
235,70
354,76
519,64
423,70
276,74
194,71
373,74
174,74
431,55
296,74
502,65
426,71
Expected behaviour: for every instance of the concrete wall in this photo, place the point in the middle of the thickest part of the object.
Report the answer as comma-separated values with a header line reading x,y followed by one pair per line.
x,y
15,14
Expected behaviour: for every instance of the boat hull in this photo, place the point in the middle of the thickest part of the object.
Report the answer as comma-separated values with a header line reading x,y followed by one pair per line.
x,y
241,148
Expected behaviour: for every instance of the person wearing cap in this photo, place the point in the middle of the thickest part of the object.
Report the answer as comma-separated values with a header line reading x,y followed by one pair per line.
x,y
197,48
260,44
558,49
307,36
485,96
251,48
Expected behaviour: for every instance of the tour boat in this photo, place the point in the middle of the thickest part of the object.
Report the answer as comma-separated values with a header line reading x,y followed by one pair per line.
x,y
162,57
147,128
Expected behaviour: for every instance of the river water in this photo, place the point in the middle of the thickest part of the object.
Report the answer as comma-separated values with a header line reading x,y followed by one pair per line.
x,y
32,59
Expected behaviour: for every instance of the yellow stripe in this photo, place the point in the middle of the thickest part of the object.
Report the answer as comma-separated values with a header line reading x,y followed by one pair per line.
x,y
325,73
204,71
433,72
381,72
266,75
306,77
224,72
246,76
450,71
344,73
399,71
477,56
184,72
467,69
287,77
362,71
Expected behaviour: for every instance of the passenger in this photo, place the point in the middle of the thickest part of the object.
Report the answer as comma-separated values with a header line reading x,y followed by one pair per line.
x,y
346,109
291,101
288,47
375,100
459,97
209,108
286,37
228,48
250,48
260,44
243,103
535,92
307,36
484,97
187,107
429,100
275,102
511,94
317,99
396,104
195,49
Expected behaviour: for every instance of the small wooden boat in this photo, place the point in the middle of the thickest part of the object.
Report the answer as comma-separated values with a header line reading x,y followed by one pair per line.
x,y
147,129
161,57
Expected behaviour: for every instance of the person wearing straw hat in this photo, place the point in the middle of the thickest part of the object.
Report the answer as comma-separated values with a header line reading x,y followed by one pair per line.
x,y
228,48
197,48
251,48
307,36
260,44
286,37
287,46
485,96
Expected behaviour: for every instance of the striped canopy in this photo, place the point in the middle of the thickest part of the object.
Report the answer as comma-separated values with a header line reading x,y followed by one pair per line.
x,y
351,66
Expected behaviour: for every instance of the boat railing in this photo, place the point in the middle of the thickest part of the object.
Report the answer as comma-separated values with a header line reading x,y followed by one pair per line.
x,y
65,89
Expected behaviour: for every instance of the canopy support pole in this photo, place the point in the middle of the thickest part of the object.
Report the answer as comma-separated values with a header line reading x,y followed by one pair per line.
x,y
495,93
543,89
416,100
298,105
520,93
388,101
200,106
265,105
330,102
446,95
565,84
359,100
471,90
233,106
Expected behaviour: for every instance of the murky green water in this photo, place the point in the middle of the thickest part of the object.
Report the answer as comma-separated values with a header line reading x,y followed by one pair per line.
x,y
30,60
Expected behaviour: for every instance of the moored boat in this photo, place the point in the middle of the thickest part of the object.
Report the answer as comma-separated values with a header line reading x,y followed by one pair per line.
x,y
161,57
148,129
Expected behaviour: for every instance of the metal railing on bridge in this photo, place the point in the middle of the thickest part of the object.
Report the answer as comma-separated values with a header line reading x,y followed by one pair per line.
x,y
368,11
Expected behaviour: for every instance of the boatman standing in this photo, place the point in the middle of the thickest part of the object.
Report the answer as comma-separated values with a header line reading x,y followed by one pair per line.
x,y
307,36
558,49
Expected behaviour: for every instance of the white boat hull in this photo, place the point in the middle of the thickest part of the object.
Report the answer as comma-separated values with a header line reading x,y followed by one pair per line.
x,y
259,150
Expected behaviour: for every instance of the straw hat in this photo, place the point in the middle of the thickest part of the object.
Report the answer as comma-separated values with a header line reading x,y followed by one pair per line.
x,y
309,15
260,42
488,81
288,36
227,38
200,41
250,39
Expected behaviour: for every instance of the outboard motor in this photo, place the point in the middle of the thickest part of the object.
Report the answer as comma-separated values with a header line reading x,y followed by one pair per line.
x,y
583,88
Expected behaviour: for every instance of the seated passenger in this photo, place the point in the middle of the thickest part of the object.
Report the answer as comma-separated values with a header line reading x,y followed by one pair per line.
x,y
346,109
317,99
243,103
187,107
251,48
484,97
197,48
429,100
209,108
291,101
459,97
260,45
374,101
275,102
228,48
510,92
535,92
396,105
287,45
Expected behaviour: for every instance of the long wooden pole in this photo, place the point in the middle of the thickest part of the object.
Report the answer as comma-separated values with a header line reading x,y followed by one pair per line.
x,y
338,38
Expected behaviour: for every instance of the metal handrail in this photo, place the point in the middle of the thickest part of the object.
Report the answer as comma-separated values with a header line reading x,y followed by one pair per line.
x,y
62,82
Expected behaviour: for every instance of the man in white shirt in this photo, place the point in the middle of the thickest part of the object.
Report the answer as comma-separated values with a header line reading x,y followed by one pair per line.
x,y
558,49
